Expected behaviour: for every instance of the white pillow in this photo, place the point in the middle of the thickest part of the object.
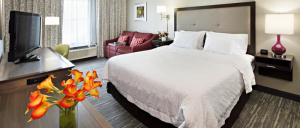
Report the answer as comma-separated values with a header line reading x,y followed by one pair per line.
x,y
201,38
248,57
186,40
238,42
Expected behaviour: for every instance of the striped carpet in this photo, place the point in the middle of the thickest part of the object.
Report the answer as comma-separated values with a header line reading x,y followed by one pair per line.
x,y
111,110
261,111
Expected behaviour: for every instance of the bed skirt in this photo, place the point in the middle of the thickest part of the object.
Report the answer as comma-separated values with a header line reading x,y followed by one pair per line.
x,y
153,122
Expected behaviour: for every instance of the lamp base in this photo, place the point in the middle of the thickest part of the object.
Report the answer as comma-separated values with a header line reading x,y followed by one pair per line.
x,y
278,56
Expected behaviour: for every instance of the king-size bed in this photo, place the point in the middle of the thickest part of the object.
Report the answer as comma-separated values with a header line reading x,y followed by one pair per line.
x,y
183,85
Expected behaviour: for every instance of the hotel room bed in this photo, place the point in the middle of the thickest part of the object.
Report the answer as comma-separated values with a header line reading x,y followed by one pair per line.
x,y
184,87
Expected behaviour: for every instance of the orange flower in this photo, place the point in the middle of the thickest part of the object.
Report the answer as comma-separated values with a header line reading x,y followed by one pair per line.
x,y
88,73
46,84
77,74
88,84
70,90
69,82
80,79
80,96
66,102
35,102
95,93
34,95
97,84
40,111
95,75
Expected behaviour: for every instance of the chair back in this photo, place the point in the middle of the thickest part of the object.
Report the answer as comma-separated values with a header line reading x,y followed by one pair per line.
x,y
63,49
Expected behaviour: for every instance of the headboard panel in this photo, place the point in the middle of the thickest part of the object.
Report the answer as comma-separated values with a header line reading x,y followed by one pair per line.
x,y
226,18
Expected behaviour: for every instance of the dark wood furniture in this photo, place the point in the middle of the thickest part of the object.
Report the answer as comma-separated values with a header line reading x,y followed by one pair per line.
x,y
158,43
15,93
281,68
151,121
14,77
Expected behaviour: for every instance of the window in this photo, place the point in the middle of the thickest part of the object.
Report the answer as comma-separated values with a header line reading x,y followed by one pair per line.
x,y
79,23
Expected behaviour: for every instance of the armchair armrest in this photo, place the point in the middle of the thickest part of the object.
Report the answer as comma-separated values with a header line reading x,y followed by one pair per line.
x,y
110,41
145,46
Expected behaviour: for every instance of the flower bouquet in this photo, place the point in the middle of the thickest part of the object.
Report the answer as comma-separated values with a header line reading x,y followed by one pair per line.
x,y
163,35
68,97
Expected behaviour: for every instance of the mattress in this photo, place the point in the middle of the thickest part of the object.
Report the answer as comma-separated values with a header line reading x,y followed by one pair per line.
x,y
184,87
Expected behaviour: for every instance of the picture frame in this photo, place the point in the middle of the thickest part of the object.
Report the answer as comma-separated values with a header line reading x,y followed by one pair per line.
x,y
140,11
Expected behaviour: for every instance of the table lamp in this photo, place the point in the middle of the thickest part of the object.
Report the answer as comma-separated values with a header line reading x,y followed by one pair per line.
x,y
279,24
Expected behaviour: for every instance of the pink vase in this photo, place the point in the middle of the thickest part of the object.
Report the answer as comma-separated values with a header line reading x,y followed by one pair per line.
x,y
278,48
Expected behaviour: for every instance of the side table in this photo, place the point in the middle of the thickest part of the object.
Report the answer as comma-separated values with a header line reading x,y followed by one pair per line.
x,y
114,44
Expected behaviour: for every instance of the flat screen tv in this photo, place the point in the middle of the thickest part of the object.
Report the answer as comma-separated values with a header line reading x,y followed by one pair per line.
x,y
25,34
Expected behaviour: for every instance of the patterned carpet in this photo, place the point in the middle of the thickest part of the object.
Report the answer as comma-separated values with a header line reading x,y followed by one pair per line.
x,y
261,111
111,110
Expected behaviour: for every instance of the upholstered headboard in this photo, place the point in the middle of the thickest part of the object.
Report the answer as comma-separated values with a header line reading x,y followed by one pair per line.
x,y
226,18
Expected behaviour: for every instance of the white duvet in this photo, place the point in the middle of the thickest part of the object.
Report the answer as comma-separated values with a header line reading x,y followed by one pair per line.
x,y
184,87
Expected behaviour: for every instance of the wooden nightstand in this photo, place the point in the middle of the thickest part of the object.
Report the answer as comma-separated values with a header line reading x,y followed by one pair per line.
x,y
281,68
158,43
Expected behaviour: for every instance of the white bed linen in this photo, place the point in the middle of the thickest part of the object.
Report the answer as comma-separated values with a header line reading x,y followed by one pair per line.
x,y
184,87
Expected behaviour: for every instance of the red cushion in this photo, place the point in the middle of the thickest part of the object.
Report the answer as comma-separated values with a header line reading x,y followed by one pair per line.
x,y
129,34
136,41
124,50
122,39
146,36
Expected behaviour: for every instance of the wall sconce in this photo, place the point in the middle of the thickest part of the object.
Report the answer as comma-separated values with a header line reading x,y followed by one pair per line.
x,y
51,20
161,10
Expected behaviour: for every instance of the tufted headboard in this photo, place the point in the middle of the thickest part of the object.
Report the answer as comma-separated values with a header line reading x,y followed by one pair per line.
x,y
226,18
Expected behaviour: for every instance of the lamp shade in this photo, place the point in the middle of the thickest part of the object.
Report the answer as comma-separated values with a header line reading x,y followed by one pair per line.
x,y
279,24
52,21
161,9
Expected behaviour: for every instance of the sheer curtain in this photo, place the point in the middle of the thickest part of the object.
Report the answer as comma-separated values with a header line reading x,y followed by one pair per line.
x,y
79,23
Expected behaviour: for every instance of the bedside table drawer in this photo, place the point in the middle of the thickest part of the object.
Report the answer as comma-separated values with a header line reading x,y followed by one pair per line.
x,y
273,66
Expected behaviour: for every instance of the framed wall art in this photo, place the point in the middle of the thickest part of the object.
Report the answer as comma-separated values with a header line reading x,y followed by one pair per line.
x,y
140,11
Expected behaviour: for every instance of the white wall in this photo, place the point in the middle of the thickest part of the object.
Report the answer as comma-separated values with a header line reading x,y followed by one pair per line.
x,y
263,41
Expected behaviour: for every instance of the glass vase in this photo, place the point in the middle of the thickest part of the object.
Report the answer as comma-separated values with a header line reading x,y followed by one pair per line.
x,y
67,118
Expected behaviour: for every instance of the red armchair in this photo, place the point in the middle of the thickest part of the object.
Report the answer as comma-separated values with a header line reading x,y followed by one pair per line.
x,y
124,49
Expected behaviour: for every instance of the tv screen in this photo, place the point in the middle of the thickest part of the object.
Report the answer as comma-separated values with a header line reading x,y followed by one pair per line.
x,y
25,29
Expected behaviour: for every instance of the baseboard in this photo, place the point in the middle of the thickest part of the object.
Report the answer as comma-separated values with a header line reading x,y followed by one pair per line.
x,y
83,59
276,92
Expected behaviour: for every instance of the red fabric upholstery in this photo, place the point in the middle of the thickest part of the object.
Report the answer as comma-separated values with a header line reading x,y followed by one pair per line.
x,y
110,41
146,36
111,53
146,45
126,49
129,34
112,48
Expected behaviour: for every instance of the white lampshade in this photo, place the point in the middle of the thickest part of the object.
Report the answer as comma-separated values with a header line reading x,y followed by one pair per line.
x,y
52,21
161,9
279,24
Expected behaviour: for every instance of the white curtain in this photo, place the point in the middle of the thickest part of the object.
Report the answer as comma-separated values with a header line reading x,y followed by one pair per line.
x,y
111,21
79,23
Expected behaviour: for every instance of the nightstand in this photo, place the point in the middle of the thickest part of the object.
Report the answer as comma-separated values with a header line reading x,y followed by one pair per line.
x,y
158,43
281,68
